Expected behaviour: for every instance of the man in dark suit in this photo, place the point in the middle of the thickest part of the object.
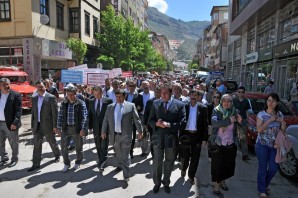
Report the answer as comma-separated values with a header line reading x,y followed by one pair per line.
x,y
118,124
134,97
147,111
166,117
192,134
43,123
10,120
97,109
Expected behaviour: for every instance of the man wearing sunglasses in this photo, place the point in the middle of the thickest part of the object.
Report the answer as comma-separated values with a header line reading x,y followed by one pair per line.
x,y
242,105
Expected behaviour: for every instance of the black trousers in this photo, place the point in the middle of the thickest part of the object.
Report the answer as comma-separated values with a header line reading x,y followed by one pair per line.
x,y
223,163
190,149
101,148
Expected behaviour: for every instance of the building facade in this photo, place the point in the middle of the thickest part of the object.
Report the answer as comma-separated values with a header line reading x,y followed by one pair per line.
x,y
269,36
214,44
33,34
134,9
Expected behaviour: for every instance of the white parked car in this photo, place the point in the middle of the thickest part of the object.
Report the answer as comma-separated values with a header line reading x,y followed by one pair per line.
x,y
289,168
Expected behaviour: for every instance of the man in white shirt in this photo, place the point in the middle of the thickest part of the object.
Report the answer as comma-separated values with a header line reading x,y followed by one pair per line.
x,y
192,135
111,92
177,93
147,94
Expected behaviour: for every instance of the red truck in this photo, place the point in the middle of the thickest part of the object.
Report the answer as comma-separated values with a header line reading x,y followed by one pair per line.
x,y
19,84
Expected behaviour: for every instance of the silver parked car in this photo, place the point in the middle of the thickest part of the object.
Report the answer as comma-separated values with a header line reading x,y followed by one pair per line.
x,y
289,168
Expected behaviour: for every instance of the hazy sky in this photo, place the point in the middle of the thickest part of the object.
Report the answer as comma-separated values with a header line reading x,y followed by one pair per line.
x,y
187,10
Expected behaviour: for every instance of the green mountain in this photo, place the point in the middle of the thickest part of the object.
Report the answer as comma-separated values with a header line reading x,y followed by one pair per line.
x,y
176,29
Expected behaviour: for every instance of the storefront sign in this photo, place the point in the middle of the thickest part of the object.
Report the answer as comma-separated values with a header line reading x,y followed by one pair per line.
x,y
37,68
28,57
96,78
265,54
72,76
55,49
286,49
18,51
251,58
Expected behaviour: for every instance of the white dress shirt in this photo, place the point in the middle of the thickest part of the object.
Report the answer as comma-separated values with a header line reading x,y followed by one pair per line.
x,y
146,97
96,103
191,124
118,130
39,104
2,105
111,95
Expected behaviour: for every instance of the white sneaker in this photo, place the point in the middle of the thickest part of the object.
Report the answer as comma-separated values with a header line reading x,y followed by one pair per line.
x,y
76,166
65,169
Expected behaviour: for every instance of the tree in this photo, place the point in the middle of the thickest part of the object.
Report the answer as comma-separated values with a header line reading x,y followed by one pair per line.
x,y
78,48
125,44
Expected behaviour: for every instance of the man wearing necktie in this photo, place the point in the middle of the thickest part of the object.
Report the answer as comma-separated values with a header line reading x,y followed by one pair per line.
x,y
96,112
166,117
43,123
118,125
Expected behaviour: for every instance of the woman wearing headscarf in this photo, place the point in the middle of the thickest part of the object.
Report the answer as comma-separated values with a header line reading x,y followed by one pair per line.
x,y
269,123
223,161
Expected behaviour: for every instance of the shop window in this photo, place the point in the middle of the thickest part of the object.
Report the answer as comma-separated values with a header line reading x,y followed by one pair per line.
x,y
74,20
5,10
60,15
263,76
87,23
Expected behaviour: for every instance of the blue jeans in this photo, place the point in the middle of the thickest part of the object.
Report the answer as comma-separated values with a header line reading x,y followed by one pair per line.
x,y
267,166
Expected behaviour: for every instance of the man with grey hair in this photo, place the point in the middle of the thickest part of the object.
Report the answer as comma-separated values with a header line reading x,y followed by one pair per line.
x,y
111,92
10,120
177,93
72,123
147,94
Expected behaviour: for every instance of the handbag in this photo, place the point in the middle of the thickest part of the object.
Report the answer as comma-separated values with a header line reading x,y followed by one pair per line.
x,y
240,133
213,148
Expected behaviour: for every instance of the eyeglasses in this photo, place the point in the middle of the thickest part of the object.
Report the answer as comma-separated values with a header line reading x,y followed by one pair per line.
x,y
131,86
240,91
216,97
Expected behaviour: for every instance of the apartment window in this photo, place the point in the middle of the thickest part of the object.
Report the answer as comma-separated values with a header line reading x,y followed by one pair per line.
x,y
60,15
44,7
95,26
215,16
74,20
87,23
226,15
5,10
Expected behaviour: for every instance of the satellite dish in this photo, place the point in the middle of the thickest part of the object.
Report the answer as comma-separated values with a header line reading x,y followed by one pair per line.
x,y
44,19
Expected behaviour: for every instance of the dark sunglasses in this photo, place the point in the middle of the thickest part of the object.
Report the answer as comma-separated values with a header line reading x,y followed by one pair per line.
x,y
240,91
131,86
216,97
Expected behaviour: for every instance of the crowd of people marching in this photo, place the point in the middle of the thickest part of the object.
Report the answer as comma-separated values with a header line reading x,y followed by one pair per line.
x,y
172,118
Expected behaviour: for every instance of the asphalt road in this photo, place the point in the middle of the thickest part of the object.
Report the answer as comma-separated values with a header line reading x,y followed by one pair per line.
x,y
87,181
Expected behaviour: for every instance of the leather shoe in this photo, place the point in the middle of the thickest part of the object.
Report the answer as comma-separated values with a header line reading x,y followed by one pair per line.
x,y
156,188
224,186
245,158
12,164
167,189
192,181
118,169
183,173
33,168
143,155
2,164
57,159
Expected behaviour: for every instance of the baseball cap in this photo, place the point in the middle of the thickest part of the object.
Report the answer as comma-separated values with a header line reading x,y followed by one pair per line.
x,y
68,86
